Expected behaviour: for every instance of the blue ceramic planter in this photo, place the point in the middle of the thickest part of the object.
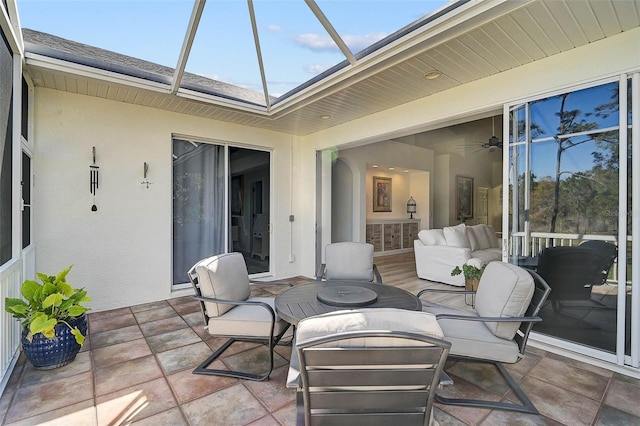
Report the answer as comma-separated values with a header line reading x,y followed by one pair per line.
x,y
46,354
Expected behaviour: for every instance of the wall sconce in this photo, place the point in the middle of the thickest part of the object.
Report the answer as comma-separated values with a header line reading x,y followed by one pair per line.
x,y
411,206
145,170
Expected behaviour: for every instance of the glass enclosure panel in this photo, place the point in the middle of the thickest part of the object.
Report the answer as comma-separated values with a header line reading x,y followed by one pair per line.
x,y
569,196
198,204
6,148
574,185
26,200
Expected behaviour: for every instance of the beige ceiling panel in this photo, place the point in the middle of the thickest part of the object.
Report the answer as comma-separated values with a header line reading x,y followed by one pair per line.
x,y
447,60
607,17
475,62
583,12
521,38
485,38
628,13
535,31
508,43
59,82
552,28
488,50
567,22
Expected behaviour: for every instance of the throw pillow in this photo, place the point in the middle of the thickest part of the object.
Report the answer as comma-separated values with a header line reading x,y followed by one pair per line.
x,y
456,236
481,236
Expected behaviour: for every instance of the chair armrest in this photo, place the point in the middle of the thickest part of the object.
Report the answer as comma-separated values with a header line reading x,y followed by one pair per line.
x,y
442,290
288,284
488,319
241,302
376,274
320,273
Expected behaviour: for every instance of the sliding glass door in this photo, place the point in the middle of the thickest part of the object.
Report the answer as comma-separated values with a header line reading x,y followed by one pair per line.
x,y
215,206
569,183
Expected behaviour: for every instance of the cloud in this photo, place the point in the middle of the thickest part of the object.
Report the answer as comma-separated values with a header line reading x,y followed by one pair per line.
x,y
358,42
273,27
315,69
315,42
324,43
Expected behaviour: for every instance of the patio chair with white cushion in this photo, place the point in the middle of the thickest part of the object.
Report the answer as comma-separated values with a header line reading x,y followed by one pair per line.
x,y
222,286
506,307
349,261
368,367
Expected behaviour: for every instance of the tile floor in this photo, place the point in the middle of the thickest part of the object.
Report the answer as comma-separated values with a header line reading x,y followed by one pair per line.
x,y
136,368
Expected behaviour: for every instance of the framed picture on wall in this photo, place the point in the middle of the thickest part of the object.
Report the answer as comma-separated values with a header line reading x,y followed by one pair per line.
x,y
464,198
381,194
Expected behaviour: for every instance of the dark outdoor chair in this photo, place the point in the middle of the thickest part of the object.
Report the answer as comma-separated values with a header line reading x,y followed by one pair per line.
x,y
507,304
368,367
610,251
571,272
349,261
223,288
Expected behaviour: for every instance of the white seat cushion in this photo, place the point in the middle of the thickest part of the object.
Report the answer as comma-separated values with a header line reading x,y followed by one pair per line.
x,y
487,255
472,338
244,320
505,290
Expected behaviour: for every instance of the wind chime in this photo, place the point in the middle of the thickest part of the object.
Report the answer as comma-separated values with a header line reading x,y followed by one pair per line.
x,y
93,180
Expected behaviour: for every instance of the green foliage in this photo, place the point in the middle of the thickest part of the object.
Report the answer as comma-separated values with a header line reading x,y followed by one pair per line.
x,y
469,271
48,304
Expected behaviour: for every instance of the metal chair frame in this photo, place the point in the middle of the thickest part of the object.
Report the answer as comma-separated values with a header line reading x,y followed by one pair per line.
x,y
539,297
369,385
270,342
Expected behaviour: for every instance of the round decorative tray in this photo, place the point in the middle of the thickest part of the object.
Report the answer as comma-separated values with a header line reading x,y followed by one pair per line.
x,y
347,296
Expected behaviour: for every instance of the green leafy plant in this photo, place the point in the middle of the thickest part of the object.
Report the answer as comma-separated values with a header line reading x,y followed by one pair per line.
x,y
469,271
48,304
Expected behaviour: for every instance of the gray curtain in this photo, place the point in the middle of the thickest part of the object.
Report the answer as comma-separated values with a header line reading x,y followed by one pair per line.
x,y
198,204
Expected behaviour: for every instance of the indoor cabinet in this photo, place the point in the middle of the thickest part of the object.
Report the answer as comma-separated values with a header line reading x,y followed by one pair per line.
x,y
392,236
374,236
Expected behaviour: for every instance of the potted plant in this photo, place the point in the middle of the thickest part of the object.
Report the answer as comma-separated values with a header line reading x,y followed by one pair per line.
x,y
54,323
471,274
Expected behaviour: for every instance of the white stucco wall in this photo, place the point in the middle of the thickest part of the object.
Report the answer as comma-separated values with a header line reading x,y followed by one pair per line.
x,y
122,252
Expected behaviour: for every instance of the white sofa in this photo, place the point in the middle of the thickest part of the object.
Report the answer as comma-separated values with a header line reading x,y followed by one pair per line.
x,y
439,251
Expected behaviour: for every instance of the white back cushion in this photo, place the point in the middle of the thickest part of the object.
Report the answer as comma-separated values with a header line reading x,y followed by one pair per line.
x,y
432,237
371,319
456,236
479,234
223,276
505,290
349,261
493,238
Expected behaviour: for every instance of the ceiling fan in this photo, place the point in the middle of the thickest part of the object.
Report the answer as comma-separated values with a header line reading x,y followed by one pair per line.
x,y
492,143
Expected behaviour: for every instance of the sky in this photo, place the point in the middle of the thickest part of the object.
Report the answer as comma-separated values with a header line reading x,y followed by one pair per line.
x,y
294,44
